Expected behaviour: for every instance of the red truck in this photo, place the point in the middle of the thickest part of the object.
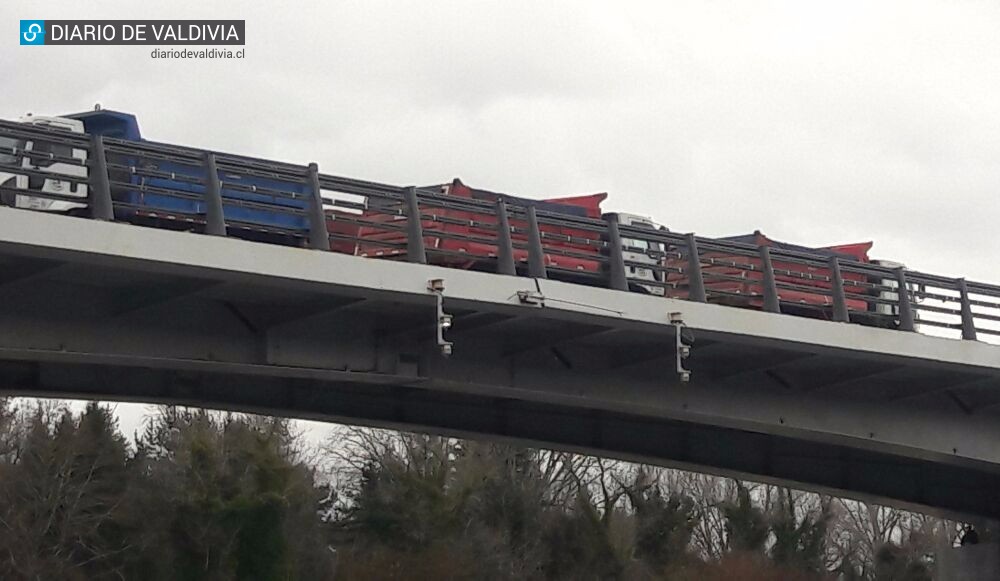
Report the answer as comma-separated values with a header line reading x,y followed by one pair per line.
x,y
461,238
738,280
456,235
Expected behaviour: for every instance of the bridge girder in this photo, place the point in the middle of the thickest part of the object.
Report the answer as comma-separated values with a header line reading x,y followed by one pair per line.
x,y
123,312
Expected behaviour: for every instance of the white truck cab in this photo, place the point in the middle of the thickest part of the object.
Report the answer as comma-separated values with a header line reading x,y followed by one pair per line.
x,y
644,252
889,308
12,153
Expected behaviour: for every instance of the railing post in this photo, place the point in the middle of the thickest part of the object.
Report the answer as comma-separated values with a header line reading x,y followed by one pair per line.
x,y
101,206
771,302
319,237
840,313
696,281
505,246
415,251
906,322
968,321
616,255
536,254
215,222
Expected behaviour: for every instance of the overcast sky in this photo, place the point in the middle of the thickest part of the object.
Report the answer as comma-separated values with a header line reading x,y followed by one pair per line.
x,y
816,123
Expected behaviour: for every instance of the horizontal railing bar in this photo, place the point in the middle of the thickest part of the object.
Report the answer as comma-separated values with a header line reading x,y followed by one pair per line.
x,y
45,195
32,132
43,155
42,174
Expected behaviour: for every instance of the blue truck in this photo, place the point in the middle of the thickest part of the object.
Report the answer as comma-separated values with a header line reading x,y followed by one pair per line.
x,y
160,189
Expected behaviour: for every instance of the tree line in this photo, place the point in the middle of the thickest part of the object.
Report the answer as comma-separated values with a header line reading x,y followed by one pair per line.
x,y
207,495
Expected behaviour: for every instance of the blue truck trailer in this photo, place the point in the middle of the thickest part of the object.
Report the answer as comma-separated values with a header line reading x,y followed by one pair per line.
x,y
153,188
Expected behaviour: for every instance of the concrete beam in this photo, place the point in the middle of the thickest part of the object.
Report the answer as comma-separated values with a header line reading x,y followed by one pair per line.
x,y
58,238
413,404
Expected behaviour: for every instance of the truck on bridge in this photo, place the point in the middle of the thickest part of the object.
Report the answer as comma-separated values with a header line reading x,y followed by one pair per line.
x,y
168,191
734,285
463,239
466,239
266,205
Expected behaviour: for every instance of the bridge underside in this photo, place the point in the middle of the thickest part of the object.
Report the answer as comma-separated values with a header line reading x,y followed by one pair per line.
x,y
113,311
837,469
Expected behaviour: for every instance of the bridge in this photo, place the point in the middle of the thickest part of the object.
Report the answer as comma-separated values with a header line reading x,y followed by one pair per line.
x,y
843,397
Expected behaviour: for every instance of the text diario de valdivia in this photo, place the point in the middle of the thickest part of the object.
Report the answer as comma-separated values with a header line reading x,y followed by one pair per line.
x,y
221,32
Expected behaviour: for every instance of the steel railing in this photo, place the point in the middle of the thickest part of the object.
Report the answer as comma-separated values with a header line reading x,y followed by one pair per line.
x,y
220,194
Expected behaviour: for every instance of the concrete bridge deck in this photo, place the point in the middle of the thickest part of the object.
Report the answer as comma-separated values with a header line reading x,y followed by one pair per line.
x,y
105,310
